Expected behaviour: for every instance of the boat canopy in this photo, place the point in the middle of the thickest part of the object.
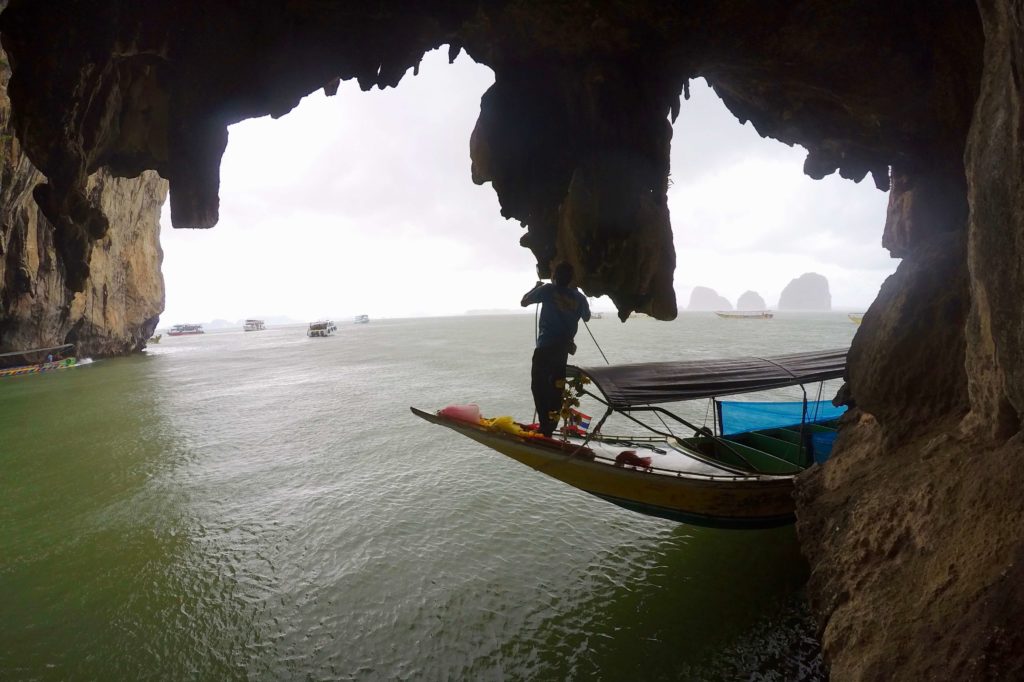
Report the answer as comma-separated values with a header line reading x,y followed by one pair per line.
x,y
648,383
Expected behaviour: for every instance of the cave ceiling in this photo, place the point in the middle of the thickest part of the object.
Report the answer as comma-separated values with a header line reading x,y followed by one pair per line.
x,y
574,135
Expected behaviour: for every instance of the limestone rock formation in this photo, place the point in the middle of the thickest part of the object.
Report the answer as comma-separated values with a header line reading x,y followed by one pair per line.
x,y
912,529
703,298
118,306
809,291
751,300
574,134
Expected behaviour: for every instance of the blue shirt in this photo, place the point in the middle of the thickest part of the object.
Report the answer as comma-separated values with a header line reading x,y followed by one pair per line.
x,y
560,313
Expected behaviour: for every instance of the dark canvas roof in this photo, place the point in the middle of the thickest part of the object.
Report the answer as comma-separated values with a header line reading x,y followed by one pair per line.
x,y
648,383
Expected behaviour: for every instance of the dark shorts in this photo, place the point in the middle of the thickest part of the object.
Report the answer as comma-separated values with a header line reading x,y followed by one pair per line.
x,y
545,376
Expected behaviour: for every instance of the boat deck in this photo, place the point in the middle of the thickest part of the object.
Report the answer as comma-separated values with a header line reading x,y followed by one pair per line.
x,y
666,458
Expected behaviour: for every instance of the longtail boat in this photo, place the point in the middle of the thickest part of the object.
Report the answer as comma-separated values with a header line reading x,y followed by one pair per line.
x,y
738,474
745,314
37,360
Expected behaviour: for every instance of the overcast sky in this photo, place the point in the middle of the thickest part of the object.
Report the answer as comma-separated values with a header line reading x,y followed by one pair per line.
x,y
363,203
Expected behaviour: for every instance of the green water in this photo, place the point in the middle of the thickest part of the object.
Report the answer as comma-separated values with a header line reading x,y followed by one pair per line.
x,y
263,506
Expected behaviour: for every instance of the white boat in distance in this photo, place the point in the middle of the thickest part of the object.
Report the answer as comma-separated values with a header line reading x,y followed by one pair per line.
x,y
186,330
321,328
254,326
361,319
745,314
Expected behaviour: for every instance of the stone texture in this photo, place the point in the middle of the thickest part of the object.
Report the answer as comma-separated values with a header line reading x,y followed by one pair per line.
x,y
917,563
574,134
995,172
912,528
119,305
920,311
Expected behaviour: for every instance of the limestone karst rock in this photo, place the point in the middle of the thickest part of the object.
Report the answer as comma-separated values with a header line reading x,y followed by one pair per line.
x,y
703,298
750,300
914,523
117,307
809,291
574,134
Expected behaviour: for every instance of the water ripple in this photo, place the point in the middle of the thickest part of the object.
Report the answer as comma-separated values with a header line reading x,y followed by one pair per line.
x,y
263,506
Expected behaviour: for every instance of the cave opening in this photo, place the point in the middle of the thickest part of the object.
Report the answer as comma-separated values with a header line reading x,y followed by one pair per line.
x,y
746,217
361,203
932,95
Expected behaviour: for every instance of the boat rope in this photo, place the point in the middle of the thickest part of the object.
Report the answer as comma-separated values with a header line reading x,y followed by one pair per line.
x,y
596,343
536,338
817,401
667,427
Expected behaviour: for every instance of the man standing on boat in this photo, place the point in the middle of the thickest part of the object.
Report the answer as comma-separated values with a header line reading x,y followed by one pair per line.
x,y
562,308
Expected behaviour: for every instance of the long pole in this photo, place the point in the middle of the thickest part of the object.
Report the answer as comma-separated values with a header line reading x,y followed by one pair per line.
x,y
596,343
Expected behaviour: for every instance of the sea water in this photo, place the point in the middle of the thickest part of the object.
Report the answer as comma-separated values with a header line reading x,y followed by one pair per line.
x,y
264,506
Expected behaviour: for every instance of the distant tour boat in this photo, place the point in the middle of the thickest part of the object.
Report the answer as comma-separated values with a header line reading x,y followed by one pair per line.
x,y
254,326
37,360
186,330
362,319
596,316
321,328
745,314
856,318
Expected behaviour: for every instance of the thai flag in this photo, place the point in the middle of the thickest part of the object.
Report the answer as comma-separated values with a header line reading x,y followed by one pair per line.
x,y
580,420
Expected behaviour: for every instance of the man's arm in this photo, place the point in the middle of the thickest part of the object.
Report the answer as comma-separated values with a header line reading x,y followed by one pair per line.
x,y
532,296
585,313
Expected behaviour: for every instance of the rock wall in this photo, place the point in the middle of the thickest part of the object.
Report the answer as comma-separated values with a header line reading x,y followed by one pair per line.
x,y
574,134
119,304
912,528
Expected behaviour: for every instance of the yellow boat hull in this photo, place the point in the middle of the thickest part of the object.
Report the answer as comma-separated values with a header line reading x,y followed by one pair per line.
x,y
719,501
36,369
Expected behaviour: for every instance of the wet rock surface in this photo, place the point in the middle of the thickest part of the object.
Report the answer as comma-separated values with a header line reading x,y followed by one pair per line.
x,y
912,529
574,134
117,308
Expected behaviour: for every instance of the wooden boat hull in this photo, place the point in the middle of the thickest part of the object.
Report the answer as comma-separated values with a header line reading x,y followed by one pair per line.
x,y
716,501
66,363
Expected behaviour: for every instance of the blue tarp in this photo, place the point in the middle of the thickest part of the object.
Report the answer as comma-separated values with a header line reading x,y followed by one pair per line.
x,y
821,444
740,417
